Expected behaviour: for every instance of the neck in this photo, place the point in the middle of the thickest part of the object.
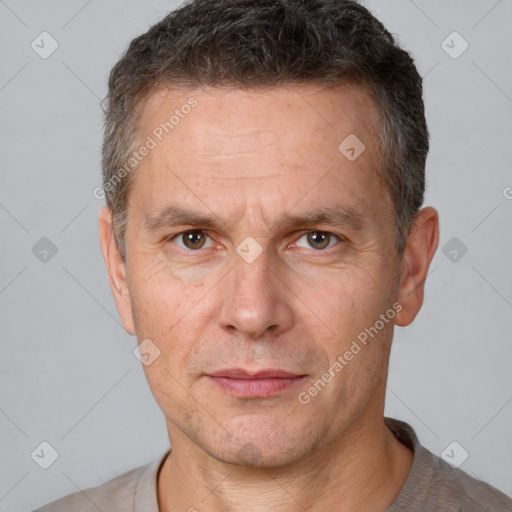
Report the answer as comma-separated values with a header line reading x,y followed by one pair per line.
x,y
364,471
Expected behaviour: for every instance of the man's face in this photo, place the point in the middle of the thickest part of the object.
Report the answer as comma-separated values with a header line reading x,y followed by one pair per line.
x,y
250,308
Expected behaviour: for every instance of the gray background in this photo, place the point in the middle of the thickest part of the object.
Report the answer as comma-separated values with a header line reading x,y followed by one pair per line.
x,y
68,375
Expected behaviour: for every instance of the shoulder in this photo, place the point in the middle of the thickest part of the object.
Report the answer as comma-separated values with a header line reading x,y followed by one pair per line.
x,y
118,494
433,485
454,487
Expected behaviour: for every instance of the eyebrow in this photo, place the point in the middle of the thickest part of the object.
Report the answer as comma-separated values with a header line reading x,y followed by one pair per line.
x,y
344,216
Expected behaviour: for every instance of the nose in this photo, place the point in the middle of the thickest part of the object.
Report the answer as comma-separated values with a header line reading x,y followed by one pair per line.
x,y
255,300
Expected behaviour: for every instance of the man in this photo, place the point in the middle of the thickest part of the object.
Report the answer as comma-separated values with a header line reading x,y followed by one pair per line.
x,y
263,166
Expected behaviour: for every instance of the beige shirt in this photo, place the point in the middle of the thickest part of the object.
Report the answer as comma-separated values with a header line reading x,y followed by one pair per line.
x,y
432,486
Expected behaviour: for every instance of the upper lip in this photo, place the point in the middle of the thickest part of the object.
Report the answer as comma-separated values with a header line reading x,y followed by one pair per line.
x,y
240,373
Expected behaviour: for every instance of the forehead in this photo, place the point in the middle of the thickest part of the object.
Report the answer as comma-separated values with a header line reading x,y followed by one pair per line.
x,y
253,118
273,142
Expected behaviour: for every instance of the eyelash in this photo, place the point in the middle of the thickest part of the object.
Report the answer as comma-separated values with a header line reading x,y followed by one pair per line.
x,y
339,238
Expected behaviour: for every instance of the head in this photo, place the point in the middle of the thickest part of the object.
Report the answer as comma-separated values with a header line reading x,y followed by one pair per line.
x,y
263,165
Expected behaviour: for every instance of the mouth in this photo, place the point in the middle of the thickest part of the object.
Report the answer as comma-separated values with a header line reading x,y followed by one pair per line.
x,y
244,384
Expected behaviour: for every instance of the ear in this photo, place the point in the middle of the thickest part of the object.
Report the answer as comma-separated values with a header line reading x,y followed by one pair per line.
x,y
421,247
116,269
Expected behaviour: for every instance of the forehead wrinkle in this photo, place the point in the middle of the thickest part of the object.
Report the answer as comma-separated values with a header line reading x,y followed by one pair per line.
x,y
227,144
236,177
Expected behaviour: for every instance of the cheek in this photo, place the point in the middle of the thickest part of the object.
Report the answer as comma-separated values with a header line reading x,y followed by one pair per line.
x,y
172,319
169,389
157,291
362,339
167,312
346,299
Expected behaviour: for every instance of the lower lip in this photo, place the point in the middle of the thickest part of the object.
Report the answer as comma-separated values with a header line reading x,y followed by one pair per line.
x,y
255,388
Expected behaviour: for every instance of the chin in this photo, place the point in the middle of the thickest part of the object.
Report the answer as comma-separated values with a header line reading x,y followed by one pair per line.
x,y
262,443
258,455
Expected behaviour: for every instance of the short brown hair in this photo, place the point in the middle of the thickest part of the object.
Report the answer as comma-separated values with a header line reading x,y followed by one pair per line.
x,y
253,44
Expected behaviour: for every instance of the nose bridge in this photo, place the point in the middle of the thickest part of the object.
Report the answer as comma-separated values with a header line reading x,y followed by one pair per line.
x,y
254,302
252,276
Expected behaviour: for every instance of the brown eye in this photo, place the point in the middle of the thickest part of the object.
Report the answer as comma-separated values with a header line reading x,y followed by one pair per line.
x,y
318,239
193,239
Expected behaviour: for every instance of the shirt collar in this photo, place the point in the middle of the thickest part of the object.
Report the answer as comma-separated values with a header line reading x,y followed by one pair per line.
x,y
146,498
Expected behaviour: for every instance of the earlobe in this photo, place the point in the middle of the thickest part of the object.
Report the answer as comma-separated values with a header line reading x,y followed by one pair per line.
x,y
116,269
421,247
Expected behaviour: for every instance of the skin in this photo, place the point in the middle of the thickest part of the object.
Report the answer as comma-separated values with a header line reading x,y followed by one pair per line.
x,y
246,159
